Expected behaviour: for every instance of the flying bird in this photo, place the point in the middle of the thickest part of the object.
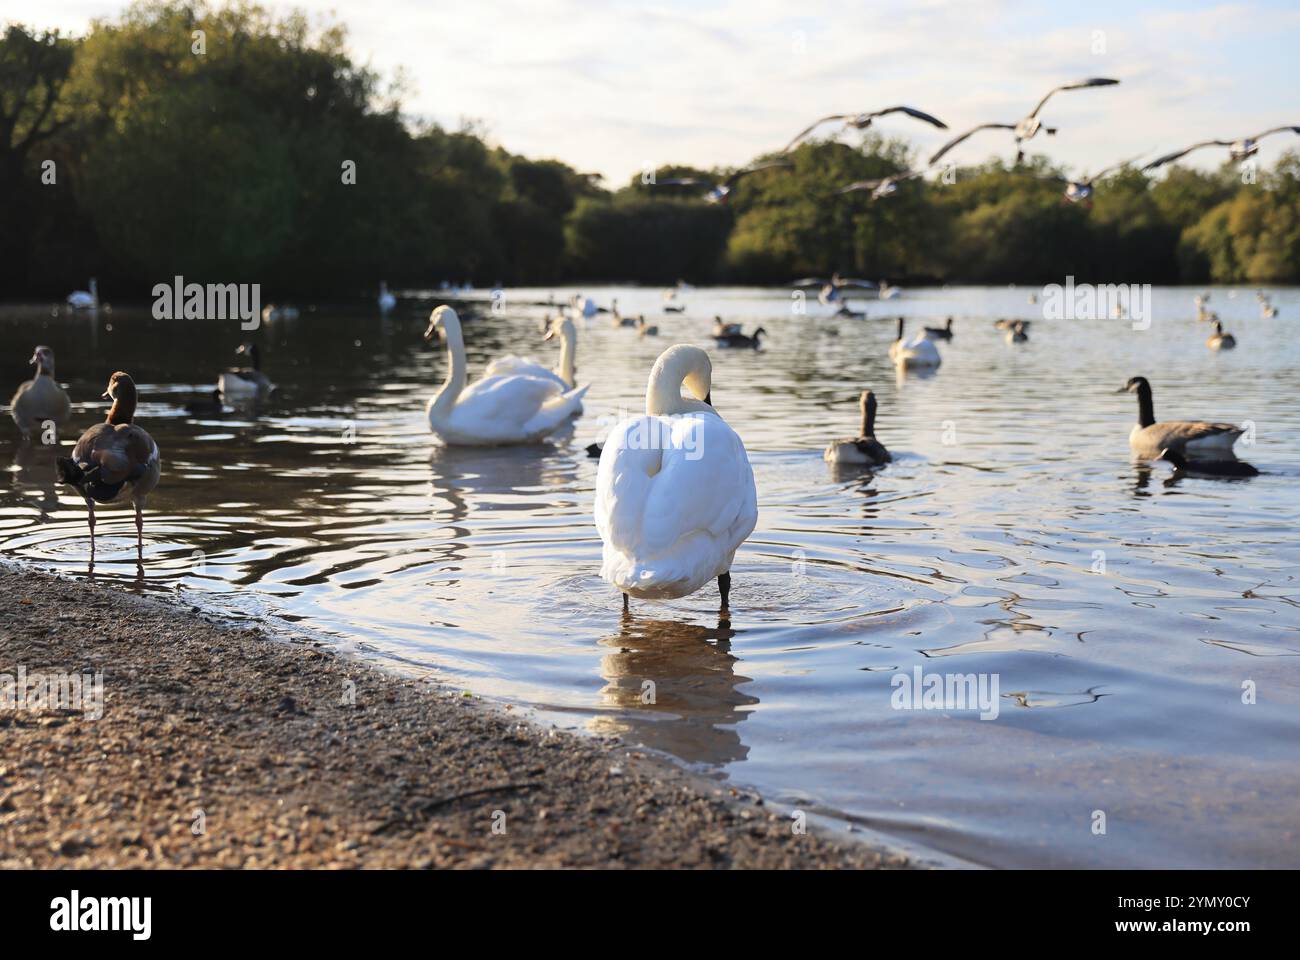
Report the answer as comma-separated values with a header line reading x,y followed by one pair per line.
x,y
1080,191
719,192
1028,127
1237,149
883,186
861,121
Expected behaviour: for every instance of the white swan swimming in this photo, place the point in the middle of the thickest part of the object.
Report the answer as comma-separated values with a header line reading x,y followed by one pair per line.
x,y
564,374
919,353
85,299
495,410
675,493
386,300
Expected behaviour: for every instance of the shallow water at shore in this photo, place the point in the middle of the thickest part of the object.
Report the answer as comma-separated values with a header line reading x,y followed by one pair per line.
x,y
1120,674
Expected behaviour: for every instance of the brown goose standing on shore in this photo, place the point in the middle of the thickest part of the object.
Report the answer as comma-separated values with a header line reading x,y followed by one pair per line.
x,y
113,458
40,399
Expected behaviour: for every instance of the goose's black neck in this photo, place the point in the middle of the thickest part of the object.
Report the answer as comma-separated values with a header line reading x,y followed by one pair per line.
x,y
1146,409
869,415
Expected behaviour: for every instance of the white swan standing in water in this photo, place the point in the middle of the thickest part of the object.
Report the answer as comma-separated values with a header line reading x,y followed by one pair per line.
x,y
386,300
564,374
495,410
85,299
675,493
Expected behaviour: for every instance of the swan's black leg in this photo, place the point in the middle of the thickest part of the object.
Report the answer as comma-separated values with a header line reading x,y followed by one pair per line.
x,y
724,588
625,603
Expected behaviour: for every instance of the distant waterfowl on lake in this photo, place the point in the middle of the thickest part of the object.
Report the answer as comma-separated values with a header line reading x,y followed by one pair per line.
x,y
940,333
739,340
113,459
919,353
208,405
863,449
675,495
1221,340
1192,439
565,372
861,121
241,384
494,410
85,299
1017,333
617,319
386,300
646,329
719,192
40,400
1012,324
1026,128
721,329
1238,150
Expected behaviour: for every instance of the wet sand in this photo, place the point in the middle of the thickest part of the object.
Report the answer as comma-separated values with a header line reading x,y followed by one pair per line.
x,y
221,746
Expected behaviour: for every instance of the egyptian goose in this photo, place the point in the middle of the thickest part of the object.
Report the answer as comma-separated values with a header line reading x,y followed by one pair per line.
x,y
40,400
114,458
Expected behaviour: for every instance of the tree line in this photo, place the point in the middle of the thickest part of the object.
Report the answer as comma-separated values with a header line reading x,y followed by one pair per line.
x,y
231,144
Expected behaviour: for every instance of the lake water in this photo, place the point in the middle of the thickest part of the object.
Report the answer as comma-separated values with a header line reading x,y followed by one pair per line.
x,y
1124,614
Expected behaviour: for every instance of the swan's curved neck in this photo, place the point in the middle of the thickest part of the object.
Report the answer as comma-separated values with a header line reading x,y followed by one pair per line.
x,y
457,375
568,372
663,395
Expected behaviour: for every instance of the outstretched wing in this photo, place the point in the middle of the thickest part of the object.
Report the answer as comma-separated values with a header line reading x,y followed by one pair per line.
x,y
1171,157
969,133
1105,171
1274,130
912,112
1076,85
860,185
811,127
731,180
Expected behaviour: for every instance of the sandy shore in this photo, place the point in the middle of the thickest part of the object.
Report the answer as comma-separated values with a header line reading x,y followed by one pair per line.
x,y
227,747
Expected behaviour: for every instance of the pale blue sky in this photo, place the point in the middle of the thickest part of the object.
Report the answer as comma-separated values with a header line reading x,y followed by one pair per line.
x,y
614,86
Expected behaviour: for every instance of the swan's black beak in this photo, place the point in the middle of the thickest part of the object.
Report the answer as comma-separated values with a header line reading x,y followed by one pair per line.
x,y
1123,389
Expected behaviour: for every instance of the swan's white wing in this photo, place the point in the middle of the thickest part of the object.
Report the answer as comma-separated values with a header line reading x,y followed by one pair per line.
x,y
672,514
498,409
521,366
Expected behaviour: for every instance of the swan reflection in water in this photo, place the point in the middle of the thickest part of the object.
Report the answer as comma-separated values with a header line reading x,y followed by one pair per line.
x,y
675,688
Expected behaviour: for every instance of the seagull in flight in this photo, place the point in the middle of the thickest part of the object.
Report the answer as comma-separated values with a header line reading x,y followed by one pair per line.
x,y
861,121
1080,191
1237,149
718,192
883,186
1028,127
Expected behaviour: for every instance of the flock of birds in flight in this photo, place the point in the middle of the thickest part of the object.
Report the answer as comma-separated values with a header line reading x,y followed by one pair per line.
x,y
1022,130
675,492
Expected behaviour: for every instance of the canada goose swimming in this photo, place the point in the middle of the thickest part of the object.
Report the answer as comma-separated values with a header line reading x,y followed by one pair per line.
x,y
1026,128
670,518
85,299
1237,149
864,448
1016,333
245,383
494,410
40,400
565,372
674,308
1221,340
386,300
940,333
1194,440
721,329
861,121
645,329
208,405
114,458
1267,311
919,353
719,192
739,340
617,319
1212,468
